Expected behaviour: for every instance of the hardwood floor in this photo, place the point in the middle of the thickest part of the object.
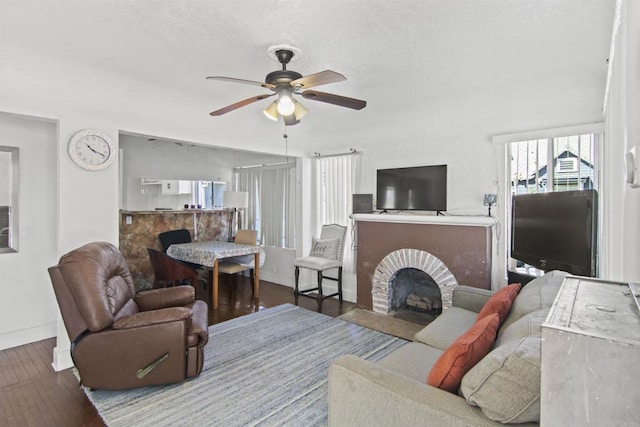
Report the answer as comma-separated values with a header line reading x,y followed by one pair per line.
x,y
32,394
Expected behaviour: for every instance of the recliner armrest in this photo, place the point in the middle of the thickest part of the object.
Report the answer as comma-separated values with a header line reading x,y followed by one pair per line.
x,y
154,317
167,297
470,298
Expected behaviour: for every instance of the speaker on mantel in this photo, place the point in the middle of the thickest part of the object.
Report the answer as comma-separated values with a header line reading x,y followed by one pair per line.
x,y
362,203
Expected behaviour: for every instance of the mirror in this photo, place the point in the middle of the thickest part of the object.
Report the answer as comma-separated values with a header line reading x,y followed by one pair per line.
x,y
8,199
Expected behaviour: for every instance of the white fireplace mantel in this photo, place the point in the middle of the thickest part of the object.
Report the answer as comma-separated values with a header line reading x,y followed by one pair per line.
x,y
468,220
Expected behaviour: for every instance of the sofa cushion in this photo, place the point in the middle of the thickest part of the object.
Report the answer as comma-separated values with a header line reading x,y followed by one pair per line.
x,y
463,354
500,302
412,360
526,326
448,326
505,384
537,294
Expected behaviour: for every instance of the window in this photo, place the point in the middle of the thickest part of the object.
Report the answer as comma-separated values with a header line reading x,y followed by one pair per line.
x,y
553,164
335,183
572,160
272,202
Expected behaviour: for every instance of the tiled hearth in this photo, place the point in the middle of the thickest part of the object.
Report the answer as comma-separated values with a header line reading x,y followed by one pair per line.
x,y
395,261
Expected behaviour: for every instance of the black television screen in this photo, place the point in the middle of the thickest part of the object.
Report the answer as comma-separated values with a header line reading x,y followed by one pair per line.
x,y
556,231
422,188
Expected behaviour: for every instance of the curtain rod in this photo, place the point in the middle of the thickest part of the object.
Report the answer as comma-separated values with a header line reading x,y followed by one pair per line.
x,y
265,164
351,151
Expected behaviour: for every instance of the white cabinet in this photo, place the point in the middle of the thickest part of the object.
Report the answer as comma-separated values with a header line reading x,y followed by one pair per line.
x,y
590,354
174,186
169,186
184,187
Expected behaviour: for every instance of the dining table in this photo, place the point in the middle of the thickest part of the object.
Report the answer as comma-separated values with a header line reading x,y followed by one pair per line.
x,y
208,253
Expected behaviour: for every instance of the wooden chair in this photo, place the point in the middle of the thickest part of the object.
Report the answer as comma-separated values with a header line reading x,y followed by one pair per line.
x,y
239,264
169,271
326,254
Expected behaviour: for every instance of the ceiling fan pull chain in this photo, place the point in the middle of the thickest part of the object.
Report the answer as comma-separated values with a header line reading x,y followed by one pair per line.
x,y
286,143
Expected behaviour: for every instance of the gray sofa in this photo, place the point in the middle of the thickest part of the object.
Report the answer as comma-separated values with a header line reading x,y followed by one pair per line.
x,y
502,389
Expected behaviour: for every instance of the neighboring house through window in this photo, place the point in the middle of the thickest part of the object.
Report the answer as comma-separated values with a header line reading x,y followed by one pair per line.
x,y
572,160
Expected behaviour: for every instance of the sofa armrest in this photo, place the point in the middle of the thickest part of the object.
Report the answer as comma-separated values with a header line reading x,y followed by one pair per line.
x,y
470,298
363,393
154,317
166,297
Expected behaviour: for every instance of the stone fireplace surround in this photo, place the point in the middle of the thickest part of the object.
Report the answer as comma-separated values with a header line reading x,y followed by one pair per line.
x,y
409,258
463,244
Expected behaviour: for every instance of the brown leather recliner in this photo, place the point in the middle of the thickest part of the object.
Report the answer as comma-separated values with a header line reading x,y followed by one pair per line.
x,y
120,339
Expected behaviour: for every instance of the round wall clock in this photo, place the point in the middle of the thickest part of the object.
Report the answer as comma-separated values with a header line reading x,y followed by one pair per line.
x,y
92,149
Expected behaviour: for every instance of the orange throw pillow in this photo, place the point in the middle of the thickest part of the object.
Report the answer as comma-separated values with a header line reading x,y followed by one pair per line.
x,y
500,302
467,350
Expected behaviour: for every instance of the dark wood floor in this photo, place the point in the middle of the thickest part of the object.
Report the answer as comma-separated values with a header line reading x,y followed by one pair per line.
x,y
32,394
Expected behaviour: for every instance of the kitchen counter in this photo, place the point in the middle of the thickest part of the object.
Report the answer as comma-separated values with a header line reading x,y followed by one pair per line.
x,y
139,230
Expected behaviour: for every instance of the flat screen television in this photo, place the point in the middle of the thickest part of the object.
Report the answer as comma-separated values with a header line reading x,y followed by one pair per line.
x,y
556,231
422,188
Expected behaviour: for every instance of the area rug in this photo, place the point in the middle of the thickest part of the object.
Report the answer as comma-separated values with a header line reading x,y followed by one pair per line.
x,y
265,368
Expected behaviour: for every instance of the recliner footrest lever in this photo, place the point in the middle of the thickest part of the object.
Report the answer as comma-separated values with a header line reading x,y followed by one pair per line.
x,y
144,371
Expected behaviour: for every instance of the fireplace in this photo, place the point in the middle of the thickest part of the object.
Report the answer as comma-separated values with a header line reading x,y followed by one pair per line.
x,y
463,245
412,284
415,296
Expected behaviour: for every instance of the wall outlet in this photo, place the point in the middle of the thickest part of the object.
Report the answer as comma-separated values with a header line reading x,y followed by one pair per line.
x,y
490,199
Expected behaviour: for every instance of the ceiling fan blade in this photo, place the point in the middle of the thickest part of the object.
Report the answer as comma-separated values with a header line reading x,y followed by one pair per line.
x,y
290,120
342,101
248,82
239,104
317,79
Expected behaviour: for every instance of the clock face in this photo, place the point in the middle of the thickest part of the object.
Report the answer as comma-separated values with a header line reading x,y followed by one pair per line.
x,y
91,149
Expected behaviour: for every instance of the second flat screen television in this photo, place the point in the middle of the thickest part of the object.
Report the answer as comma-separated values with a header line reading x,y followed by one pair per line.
x,y
422,188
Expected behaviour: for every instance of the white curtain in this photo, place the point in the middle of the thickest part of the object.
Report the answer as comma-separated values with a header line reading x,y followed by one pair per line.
x,y
335,182
272,203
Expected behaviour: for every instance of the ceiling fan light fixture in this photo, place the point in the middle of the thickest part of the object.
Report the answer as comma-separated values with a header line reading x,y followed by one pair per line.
x,y
272,111
285,103
299,111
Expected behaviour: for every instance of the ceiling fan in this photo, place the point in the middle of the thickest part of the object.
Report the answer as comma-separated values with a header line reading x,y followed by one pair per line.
x,y
286,83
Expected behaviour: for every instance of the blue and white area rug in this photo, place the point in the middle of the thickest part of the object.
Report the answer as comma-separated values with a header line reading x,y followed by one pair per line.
x,y
266,368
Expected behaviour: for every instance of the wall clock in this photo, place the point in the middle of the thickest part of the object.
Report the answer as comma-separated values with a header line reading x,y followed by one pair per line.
x,y
92,149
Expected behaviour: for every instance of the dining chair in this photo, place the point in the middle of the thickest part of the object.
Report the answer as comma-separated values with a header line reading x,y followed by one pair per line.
x,y
168,238
169,271
242,263
326,254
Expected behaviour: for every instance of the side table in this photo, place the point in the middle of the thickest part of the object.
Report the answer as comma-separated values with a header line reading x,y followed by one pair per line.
x,y
590,355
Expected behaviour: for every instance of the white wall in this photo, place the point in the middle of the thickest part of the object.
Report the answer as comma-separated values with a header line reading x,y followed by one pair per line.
x,y
27,303
622,203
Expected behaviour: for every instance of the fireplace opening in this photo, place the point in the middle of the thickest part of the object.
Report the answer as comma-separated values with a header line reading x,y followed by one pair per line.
x,y
415,296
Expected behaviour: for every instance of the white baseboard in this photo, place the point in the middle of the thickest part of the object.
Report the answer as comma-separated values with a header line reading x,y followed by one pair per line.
x,y
61,359
26,336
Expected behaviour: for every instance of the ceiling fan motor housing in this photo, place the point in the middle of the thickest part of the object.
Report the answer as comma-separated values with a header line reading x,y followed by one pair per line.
x,y
282,77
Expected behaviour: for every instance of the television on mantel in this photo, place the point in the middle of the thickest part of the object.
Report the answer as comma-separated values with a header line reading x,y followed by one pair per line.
x,y
422,188
556,231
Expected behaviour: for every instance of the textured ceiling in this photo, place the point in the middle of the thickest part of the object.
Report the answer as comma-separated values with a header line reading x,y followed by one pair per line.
x,y
403,57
